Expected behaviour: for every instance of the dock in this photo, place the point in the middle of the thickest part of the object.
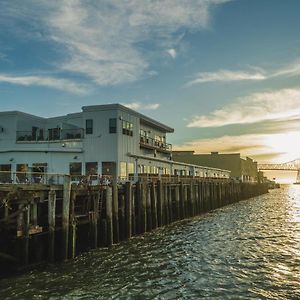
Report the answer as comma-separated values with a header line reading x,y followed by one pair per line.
x,y
45,223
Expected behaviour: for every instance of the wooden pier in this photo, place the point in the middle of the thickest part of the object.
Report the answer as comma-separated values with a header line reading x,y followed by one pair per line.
x,y
46,223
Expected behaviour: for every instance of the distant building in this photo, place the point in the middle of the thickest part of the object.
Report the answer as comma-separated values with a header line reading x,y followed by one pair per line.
x,y
108,140
244,170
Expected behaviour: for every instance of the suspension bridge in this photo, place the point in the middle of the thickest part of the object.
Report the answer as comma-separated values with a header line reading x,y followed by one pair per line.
x,y
293,165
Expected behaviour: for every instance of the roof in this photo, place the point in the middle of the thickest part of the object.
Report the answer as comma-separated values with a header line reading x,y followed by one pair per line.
x,y
144,119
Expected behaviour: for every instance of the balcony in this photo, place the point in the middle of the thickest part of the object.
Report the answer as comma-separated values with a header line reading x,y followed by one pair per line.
x,y
151,143
53,134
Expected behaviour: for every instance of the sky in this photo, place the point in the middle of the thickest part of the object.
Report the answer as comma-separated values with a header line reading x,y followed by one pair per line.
x,y
225,74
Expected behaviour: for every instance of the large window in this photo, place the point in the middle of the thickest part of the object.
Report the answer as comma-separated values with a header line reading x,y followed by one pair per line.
x,y
123,172
130,168
22,170
127,128
75,168
54,134
113,125
91,168
5,173
89,126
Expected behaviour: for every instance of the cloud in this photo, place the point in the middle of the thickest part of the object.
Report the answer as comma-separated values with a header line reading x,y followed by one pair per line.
x,y
281,147
141,106
50,82
172,53
225,75
274,105
106,41
292,69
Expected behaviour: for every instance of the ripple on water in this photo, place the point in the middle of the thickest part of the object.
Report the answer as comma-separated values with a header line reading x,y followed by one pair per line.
x,y
247,250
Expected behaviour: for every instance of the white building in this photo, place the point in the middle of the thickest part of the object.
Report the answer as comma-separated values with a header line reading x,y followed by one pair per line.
x,y
108,140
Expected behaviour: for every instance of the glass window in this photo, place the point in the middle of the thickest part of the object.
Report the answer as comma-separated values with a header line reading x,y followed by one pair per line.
x,y
127,128
22,170
113,125
5,173
75,168
123,173
91,168
130,167
89,126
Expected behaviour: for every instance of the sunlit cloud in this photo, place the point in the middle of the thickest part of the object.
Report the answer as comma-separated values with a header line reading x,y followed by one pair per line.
x,y
141,106
225,75
274,105
281,147
172,53
292,69
50,82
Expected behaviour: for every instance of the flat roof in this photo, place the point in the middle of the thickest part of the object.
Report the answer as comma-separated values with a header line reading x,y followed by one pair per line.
x,y
144,119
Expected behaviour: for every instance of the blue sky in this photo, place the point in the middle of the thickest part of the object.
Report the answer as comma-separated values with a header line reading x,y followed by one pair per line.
x,y
225,74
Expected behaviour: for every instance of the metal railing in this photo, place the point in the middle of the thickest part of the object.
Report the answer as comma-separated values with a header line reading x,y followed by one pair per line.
x,y
64,134
147,141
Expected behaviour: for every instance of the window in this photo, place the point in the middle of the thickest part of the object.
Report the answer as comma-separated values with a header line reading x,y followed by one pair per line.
x,y
127,128
5,173
54,134
75,168
123,166
89,126
130,168
91,168
22,170
113,125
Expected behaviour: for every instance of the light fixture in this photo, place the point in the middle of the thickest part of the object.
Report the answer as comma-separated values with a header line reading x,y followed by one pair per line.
x,y
11,159
75,157
63,145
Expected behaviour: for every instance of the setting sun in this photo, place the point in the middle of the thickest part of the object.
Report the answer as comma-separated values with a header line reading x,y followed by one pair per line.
x,y
285,145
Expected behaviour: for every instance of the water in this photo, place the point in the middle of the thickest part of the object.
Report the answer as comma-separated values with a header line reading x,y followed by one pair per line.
x,y
249,250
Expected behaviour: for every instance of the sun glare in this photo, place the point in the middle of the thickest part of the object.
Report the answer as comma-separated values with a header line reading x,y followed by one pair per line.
x,y
285,144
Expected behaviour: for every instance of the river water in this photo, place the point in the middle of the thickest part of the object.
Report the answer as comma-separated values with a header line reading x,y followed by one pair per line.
x,y
248,250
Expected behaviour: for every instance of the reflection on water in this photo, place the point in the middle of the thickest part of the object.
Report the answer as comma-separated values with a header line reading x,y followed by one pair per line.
x,y
249,250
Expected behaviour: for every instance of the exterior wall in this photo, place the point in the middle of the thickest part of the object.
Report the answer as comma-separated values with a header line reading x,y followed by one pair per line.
x,y
230,162
241,169
99,146
249,170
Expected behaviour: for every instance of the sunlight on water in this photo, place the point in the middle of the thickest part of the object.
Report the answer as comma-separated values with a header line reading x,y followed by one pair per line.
x,y
249,250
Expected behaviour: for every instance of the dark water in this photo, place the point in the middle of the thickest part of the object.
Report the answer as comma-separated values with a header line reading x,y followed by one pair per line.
x,y
250,250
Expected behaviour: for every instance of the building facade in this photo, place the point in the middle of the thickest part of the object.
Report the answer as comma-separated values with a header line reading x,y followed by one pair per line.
x,y
109,140
244,170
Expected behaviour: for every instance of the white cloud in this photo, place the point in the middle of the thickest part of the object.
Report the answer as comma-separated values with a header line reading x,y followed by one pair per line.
x,y
225,75
105,40
292,69
141,106
172,52
60,84
274,105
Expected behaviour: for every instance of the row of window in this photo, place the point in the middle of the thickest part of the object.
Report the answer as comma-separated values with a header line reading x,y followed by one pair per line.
x,y
127,127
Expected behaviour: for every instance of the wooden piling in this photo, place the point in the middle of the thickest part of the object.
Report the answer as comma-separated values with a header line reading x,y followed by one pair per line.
x,y
128,209
177,202
143,214
51,224
73,228
115,212
109,216
95,218
166,204
26,226
159,203
66,216
153,205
